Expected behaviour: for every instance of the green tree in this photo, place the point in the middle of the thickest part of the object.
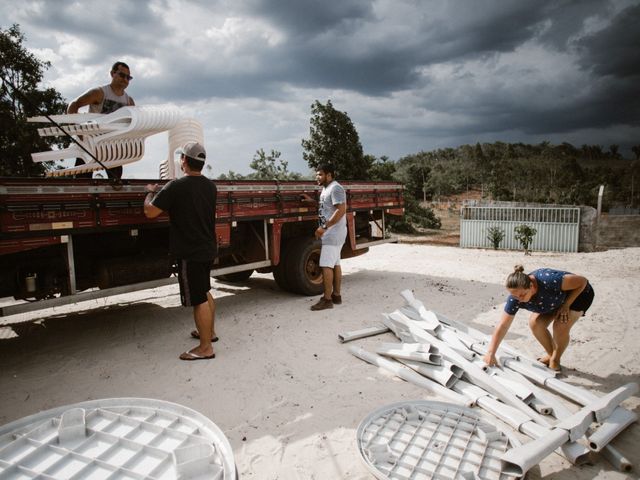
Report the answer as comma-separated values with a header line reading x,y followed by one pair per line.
x,y
382,169
271,167
231,175
333,139
615,151
18,139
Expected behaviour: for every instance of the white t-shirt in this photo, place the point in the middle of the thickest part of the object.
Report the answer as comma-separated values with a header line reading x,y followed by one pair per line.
x,y
111,102
332,195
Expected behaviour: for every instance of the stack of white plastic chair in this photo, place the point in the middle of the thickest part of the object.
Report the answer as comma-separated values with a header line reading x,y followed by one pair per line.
x,y
114,139
187,130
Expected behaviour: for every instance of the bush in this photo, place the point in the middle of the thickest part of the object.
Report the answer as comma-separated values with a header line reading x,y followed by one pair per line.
x,y
495,235
414,215
524,235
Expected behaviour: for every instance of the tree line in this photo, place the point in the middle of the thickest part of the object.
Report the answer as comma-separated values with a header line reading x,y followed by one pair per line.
x,y
541,173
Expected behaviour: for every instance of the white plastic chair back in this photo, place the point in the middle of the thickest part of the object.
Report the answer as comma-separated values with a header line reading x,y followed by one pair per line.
x,y
114,139
187,130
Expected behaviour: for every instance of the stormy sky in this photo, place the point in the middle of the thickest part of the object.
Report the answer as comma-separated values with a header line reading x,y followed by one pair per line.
x,y
411,75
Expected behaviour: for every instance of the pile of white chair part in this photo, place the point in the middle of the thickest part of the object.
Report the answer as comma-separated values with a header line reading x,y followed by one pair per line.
x,y
445,358
117,138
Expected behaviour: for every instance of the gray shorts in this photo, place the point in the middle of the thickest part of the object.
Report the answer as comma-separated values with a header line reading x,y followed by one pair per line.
x,y
330,255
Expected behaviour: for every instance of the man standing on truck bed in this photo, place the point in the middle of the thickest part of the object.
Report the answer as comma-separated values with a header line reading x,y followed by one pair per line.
x,y
332,231
106,99
191,204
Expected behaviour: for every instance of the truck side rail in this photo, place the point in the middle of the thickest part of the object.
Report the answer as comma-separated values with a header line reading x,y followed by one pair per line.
x,y
257,224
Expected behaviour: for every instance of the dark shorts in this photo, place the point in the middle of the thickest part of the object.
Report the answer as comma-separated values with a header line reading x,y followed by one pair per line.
x,y
584,300
195,281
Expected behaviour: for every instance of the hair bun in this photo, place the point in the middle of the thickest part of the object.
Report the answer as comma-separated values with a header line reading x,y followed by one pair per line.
x,y
518,268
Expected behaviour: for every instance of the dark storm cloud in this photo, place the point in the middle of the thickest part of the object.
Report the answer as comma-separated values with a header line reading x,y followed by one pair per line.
x,y
615,50
304,18
466,62
346,46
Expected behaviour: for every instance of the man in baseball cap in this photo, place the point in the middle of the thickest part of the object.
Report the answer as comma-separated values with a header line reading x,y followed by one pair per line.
x,y
191,204
193,150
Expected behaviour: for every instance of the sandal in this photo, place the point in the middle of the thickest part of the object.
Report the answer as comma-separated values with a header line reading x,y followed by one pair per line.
x,y
196,335
190,356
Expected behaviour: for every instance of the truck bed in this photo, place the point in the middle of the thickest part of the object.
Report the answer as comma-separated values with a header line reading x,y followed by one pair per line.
x,y
60,237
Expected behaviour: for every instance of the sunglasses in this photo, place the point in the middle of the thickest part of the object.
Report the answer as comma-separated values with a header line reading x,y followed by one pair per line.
x,y
124,75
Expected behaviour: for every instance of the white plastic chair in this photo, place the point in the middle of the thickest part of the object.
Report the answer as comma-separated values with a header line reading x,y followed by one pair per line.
x,y
187,130
114,139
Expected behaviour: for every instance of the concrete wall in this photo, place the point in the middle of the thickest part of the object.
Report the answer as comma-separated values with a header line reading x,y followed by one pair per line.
x,y
618,231
588,229
608,231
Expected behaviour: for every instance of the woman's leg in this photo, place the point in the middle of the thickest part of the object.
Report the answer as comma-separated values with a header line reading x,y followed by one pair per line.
x,y
561,337
539,325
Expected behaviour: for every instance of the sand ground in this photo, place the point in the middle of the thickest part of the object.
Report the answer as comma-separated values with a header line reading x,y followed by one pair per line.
x,y
286,393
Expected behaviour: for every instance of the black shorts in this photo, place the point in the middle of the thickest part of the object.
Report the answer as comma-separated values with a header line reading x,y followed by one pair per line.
x,y
195,281
584,300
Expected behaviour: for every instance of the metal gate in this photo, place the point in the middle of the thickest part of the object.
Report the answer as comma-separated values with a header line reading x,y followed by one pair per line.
x,y
557,228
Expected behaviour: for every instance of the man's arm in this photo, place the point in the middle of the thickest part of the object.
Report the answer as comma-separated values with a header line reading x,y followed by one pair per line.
x,y
150,210
341,210
90,97
308,199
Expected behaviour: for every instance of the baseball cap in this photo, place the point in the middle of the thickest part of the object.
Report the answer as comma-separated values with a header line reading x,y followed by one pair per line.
x,y
193,150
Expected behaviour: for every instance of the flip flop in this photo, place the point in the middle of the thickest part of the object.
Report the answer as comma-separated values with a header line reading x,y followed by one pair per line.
x,y
196,335
190,356
546,364
539,359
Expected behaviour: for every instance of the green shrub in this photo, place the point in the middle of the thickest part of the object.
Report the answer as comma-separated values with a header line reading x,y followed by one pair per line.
x,y
524,235
495,235
414,215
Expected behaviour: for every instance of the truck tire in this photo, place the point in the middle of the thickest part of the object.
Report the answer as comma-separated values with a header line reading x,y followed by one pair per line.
x,y
302,266
235,277
280,270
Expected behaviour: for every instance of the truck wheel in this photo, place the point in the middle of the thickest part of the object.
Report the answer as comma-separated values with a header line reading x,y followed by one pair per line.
x,y
302,266
280,270
235,277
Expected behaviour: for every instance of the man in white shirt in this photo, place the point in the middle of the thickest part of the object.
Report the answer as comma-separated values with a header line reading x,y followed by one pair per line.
x,y
332,231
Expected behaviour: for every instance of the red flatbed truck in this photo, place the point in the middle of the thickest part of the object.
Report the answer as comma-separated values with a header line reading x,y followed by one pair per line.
x,y
67,240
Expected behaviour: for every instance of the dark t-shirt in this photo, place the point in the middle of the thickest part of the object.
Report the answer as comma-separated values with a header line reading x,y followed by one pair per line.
x,y
191,204
549,296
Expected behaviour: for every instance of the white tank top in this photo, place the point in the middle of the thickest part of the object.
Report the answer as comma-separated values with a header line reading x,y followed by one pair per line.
x,y
111,102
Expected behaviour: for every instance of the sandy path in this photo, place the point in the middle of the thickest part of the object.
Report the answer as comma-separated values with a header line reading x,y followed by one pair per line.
x,y
286,393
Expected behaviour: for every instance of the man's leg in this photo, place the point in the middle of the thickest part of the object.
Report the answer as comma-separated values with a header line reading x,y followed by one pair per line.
x,y
327,254
212,309
194,290
327,281
561,337
539,325
204,322
337,280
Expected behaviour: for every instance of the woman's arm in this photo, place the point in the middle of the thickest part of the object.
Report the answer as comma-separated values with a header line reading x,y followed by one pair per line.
x,y
573,285
498,334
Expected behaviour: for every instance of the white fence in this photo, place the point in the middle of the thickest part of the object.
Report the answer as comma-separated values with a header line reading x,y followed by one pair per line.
x,y
557,228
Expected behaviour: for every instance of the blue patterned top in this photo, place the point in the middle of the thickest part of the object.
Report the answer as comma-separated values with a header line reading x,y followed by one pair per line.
x,y
548,298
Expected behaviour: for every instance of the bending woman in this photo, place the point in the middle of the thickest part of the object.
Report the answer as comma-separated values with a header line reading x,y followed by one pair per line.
x,y
552,296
